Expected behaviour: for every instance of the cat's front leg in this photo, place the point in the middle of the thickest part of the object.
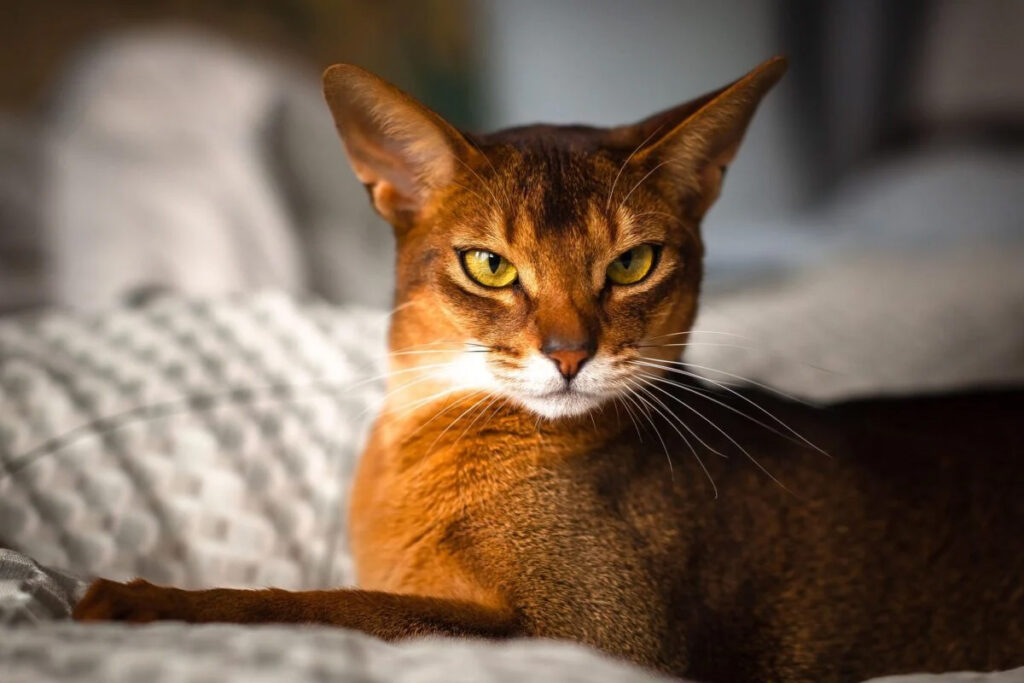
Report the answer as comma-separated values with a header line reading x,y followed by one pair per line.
x,y
137,601
384,615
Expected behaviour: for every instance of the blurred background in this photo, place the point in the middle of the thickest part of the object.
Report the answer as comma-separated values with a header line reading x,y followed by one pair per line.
x,y
183,145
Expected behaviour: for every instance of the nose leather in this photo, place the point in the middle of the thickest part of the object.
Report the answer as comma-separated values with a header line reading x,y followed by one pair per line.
x,y
569,361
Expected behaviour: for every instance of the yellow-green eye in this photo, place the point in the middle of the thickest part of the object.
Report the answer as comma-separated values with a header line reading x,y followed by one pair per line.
x,y
632,266
488,268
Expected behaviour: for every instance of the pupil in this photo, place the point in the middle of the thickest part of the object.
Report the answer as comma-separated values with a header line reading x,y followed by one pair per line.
x,y
493,262
626,259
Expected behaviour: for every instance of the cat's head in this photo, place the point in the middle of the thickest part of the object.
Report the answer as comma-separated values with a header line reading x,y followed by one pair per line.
x,y
543,263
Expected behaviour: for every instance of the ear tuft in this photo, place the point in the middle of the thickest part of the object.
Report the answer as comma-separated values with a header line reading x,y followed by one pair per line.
x,y
401,150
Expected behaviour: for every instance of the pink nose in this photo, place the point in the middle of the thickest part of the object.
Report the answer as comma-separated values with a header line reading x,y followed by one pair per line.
x,y
569,361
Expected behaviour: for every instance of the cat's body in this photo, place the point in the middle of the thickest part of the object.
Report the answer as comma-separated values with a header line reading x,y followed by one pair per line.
x,y
541,468
858,569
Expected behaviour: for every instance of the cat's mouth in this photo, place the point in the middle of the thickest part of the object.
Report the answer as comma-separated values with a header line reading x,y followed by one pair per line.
x,y
566,401
567,390
538,386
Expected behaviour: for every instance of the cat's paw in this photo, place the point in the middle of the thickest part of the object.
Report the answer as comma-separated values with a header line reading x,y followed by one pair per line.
x,y
137,601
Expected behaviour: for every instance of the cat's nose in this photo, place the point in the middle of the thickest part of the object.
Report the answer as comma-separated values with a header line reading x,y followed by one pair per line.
x,y
569,361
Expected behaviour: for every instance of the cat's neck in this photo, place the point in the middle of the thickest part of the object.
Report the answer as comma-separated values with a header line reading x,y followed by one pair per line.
x,y
441,420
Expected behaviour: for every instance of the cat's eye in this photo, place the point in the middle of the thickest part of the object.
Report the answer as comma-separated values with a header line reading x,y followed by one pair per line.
x,y
632,266
487,268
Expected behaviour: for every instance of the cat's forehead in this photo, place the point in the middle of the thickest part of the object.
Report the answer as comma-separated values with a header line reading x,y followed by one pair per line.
x,y
552,193
560,191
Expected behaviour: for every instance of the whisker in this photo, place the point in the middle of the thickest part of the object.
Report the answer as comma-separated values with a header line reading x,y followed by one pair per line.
x,y
629,414
697,331
400,307
483,410
632,403
429,351
641,182
647,343
766,387
498,409
671,469
611,192
417,350
761,385
689,445
695,343
382,405
455,421
504,191
497,204
438,342
476,194
741,397
694,434
755,403
739,377
707,396
735,443
433,397
640,409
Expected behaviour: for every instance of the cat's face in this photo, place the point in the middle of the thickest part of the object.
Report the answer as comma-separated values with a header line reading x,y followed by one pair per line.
x,y
548,295
546,264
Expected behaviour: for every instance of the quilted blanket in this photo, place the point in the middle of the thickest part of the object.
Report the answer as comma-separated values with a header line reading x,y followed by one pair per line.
x,y
191,442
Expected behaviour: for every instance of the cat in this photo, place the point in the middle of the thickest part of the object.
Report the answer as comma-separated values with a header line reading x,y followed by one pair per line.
x,y
544,466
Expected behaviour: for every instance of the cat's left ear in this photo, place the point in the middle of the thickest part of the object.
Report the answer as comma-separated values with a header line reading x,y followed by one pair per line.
x,y
692,144
399,149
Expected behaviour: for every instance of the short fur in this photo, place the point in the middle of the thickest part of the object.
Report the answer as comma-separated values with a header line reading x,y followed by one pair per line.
x,y
498,498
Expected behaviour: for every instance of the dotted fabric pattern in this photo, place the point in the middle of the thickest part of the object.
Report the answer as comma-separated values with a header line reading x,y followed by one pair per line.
x,y
189,442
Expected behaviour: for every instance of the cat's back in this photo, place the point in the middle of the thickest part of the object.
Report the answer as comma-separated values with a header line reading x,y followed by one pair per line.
x,y
898,551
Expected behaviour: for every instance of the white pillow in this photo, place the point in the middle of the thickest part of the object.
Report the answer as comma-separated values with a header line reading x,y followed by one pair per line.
x,y
188,442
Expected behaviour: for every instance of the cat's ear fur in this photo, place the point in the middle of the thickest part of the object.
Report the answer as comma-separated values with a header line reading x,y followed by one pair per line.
x,y
693,144
399,149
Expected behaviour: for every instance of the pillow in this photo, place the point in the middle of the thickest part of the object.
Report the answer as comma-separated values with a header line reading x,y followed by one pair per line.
x,y
190,442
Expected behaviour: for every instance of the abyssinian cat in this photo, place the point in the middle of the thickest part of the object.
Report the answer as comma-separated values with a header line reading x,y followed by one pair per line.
x,y
543,465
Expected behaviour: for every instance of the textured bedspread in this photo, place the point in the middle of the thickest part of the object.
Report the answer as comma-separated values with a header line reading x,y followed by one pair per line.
x,y
165,653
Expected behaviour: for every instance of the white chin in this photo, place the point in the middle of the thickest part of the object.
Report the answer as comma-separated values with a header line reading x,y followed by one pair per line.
x,y
568,404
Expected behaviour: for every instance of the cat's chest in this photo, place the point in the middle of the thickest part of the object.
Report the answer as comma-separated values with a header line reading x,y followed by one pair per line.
x,y
412,510
449,523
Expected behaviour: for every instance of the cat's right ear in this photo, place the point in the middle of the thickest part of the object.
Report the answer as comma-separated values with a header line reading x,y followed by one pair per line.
x,y
691,145
399,149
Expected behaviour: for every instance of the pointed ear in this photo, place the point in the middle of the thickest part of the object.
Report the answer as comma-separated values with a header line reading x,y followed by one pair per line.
x,y
693,143
399,149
